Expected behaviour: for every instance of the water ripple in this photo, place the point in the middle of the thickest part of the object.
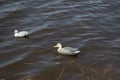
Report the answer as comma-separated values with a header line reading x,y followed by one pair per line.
x,y
90,25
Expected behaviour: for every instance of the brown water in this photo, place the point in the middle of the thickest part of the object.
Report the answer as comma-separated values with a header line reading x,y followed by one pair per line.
x,y
93,26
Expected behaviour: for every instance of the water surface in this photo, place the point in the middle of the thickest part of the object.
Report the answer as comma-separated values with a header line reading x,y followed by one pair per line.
x,y
93,26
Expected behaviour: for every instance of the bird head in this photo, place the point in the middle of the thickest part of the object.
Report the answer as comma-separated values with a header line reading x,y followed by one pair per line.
x,y
15,31
58,45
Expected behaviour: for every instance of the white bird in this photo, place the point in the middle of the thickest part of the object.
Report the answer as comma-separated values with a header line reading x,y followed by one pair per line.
x,y
21,33
66,50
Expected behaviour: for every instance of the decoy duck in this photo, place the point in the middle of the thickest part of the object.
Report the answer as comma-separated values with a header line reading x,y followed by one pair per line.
x,y
21,33
66,50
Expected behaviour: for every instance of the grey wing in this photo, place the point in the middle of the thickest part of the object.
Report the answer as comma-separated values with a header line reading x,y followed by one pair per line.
x,y
70,49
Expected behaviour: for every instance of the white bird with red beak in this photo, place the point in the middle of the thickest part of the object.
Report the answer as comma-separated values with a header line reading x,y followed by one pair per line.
x,y
66,50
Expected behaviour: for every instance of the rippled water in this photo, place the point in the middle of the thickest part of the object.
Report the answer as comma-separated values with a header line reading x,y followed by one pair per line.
x,y
93,26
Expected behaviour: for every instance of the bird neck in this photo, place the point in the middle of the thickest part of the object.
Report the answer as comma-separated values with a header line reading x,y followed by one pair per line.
x,y
60,47
16,32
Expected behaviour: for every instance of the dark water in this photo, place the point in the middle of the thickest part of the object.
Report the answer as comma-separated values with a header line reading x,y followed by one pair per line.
x,y
93,26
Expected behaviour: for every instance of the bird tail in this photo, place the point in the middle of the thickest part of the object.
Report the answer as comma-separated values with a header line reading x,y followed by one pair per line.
x,y
77,51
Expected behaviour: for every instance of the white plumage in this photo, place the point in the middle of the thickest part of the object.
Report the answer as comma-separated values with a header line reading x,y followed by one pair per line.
x,y
66,50
21,33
